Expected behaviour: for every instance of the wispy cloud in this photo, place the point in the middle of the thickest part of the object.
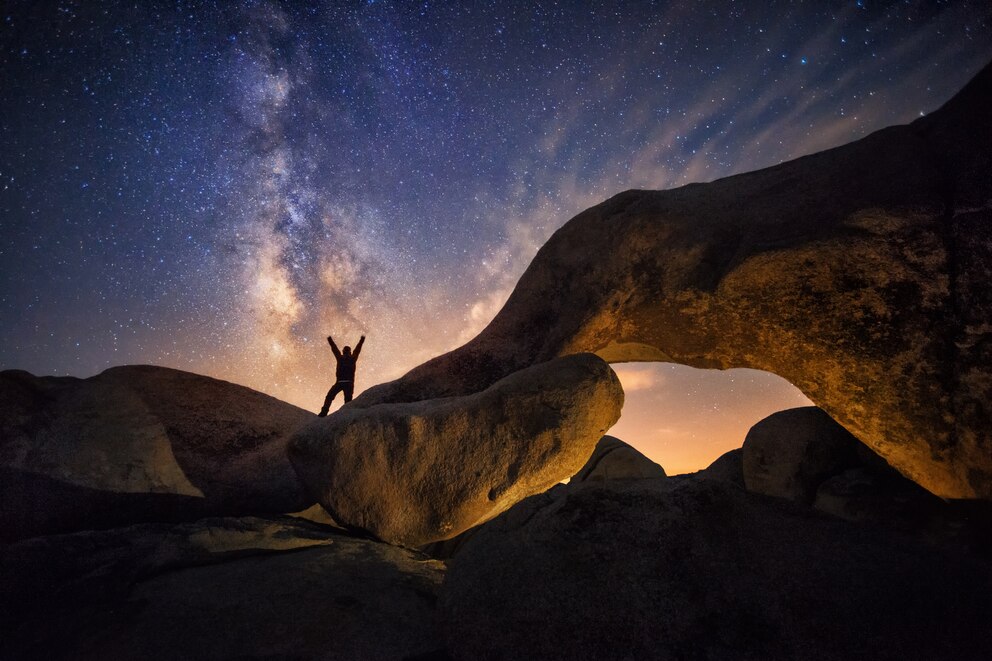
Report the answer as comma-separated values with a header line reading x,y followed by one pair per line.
x,y
634,377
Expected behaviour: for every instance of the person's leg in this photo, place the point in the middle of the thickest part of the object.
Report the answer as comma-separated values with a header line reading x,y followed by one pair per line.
x,y
335,389
349,388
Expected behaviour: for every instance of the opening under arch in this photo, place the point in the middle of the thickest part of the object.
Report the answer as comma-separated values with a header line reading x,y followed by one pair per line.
x,y
684,418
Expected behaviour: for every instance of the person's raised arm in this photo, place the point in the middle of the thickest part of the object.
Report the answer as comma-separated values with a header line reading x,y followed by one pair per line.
x,y
334,347
358,347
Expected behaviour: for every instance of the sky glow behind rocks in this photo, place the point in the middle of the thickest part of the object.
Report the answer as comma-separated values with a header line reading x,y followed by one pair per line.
x,y
217,187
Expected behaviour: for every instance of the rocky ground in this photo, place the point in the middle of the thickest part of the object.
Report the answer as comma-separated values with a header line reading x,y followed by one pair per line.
x,y
621,562
691,568
223,588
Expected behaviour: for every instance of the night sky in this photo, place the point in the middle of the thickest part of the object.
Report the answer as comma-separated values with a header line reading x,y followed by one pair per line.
x,y
217,187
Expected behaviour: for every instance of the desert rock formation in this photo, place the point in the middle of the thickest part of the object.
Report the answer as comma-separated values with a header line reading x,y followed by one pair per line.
x,y
416,473
790,453
860,274
140,443
804,456
681,567
219,588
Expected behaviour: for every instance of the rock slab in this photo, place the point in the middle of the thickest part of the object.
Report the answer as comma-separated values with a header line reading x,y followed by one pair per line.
x,y
220,588
416,473
140,443
689,568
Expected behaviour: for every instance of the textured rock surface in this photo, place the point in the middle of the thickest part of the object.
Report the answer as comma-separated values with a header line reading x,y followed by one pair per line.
x,y
684,568
790,453
859,274
140,443
216,589
416,473
615,460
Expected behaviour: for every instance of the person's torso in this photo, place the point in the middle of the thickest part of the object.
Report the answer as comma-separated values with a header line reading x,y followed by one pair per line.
x,y
346,368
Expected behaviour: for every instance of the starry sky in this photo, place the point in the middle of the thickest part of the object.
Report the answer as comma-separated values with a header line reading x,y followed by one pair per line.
x,y
217,186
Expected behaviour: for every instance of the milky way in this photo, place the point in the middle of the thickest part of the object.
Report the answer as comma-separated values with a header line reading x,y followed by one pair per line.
x,y
219,186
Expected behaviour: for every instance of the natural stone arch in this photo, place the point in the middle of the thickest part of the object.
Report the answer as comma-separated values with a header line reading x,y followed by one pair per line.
x,y
859,274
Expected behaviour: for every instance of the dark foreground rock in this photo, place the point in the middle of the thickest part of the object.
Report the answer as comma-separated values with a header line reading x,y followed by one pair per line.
x,y
885,499
790,453
860,274
804,456
412,474
140,443
728,467
689,568
246,588
615,460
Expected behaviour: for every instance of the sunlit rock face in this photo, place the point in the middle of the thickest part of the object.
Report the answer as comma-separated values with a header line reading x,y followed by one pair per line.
x,y
615,460
679,568
860,274
140,443
415,473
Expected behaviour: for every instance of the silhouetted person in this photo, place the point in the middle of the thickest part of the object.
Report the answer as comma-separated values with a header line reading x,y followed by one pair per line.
x,y
345,373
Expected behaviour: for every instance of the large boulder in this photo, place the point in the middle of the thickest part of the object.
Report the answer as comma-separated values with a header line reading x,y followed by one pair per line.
x,y
219,588
615,460
611,460
689,568
860,274
412,474
804,456
140,443
790,453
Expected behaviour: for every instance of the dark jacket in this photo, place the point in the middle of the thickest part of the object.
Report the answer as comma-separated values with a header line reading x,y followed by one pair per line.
x,y
346,364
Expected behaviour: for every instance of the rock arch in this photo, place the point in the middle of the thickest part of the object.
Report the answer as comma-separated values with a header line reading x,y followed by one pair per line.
x,y
860,274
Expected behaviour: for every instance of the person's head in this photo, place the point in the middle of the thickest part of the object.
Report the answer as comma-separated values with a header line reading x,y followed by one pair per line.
x,y
347,351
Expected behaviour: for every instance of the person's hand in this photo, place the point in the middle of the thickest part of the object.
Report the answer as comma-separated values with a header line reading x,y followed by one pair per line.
x,y
363,337
329,339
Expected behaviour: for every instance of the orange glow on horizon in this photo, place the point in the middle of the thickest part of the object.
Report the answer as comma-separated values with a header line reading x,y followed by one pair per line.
x,y
684,418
